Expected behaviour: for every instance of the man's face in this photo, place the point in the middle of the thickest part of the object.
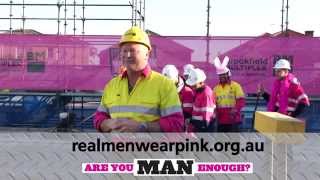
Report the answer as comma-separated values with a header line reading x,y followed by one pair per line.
x,y
223,78
281,73
134,56
197,86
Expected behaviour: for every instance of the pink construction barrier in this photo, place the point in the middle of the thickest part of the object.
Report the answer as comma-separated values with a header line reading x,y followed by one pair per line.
x,y
252,59
252,62
50,62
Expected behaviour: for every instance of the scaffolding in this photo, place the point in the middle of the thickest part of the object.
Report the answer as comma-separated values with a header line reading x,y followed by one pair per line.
x,y
137,14
208,32
285,9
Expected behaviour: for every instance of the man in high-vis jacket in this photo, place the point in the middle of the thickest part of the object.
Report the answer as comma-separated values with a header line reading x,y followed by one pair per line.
x,y
139,99
288,96
229,99
204,103
186,94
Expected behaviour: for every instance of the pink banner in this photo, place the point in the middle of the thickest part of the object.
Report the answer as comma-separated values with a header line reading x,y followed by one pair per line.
x,y
50,62
253,61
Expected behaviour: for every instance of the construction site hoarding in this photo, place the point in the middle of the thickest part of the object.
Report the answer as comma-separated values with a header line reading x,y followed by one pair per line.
x,y
51,62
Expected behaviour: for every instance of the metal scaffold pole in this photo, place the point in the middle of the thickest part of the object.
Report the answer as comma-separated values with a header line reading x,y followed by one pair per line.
x,y
10,17
143,19
287,16
74,17
65,17
208,32
83,18
136,12
23,17
132,4
282,15
58,20
139,12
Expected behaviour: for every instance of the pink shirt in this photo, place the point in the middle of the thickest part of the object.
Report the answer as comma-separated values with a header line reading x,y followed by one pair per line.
x,y
286,95
186,97
204,105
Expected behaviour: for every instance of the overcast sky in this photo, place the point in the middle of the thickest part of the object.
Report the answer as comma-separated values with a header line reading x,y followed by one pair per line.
x,y
176,17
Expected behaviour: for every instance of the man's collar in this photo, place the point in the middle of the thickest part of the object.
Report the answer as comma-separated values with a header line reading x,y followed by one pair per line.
x,y
145,72
223,84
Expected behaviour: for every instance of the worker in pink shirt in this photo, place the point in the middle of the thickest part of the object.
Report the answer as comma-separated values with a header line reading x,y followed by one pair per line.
x,y
139,99
204,103
185,93
288,96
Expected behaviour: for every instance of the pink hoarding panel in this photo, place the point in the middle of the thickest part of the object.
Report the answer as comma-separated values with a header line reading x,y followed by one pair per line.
x,y
50,62
252,62
252,59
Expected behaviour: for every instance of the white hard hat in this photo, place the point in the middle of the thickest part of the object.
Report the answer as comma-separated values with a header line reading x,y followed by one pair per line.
x,y
282,64
196,76
187,68
171,72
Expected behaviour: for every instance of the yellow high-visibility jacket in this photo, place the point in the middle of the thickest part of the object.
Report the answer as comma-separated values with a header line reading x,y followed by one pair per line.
x,y
228,96
153,98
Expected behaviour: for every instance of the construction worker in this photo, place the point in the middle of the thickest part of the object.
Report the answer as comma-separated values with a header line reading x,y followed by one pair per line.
x,y
229,98
288,96
185,93
204,104
138,100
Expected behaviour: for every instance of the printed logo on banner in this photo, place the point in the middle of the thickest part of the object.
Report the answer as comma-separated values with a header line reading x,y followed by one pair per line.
x,y
168,167
247,66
